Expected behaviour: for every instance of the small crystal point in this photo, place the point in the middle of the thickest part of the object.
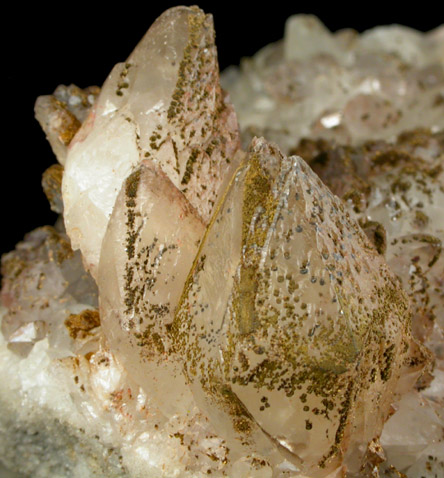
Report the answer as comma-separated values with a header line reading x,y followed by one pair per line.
x,y
61,114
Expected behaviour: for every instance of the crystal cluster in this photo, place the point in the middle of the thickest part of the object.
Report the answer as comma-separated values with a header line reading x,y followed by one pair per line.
x,y
202,308
342,85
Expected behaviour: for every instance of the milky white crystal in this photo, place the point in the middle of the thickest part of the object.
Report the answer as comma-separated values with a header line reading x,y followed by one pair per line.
x,y
43,270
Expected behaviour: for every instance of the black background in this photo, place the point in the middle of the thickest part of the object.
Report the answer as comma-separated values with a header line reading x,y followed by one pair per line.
x,y
67,43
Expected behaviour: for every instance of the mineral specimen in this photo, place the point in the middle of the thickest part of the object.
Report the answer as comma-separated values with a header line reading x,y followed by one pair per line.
x,y
200,309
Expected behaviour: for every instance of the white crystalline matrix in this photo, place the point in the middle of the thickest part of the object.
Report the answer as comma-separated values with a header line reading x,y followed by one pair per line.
x,y
200,308
346,86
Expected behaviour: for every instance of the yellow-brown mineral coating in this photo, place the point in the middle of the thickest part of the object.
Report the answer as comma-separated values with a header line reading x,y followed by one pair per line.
x,y
258,184
52,187
67,124
313,319
348,170
80,325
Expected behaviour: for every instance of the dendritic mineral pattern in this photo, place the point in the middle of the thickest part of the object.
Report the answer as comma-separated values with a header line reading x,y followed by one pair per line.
x,y
202,309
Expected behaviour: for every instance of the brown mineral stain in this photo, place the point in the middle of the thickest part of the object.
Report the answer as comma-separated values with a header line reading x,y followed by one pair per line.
x,y
377,235
80,325
68,124
52,187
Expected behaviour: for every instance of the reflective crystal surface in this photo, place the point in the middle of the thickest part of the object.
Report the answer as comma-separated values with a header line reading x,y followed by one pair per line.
x,y
309,329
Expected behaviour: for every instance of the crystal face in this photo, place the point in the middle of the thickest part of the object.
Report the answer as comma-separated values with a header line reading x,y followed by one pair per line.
x,y
202,308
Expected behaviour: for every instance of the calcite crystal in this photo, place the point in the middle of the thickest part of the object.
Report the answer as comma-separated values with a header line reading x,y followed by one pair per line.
x,y
396,191
309,329
200,308
164,104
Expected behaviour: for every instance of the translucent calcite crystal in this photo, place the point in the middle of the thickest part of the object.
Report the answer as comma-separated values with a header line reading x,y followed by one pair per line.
x,y
396,191
163,104
412,438
145,260
304,342
201,310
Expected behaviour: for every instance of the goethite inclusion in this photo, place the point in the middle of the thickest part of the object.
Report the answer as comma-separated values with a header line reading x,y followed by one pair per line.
x,y
205,308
